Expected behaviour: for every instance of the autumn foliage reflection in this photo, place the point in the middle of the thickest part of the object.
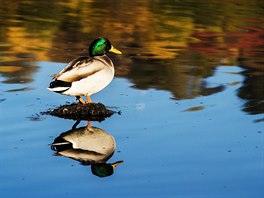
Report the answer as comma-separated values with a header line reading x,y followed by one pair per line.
x,y
167,45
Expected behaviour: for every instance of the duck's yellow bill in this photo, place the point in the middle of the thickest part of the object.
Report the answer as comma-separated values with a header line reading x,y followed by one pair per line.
x,y
116,164
114,50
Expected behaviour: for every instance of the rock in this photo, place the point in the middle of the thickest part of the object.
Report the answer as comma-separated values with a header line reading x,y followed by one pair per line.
x,y
78,111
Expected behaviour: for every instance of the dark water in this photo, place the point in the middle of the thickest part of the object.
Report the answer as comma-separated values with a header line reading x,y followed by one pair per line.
x,y
189,85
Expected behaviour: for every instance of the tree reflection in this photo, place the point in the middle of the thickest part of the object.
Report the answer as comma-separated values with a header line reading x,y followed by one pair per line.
x,y
169,45
252,94
18,72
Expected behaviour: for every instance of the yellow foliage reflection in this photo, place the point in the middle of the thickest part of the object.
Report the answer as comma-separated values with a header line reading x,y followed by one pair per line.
x,y
162,40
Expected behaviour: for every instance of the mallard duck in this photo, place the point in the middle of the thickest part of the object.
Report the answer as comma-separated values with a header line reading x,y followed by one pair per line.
x,y
86,75
89,145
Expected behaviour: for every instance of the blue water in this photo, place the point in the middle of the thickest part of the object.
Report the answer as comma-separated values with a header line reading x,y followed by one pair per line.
x,y
189,86
169,148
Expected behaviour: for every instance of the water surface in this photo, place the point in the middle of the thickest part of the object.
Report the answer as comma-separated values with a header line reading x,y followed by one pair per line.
x,y
189,86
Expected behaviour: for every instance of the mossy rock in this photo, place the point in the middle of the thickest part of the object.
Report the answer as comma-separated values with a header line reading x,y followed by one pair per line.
x,y
78,111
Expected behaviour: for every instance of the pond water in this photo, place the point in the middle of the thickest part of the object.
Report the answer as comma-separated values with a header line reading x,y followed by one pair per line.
x,y
189,86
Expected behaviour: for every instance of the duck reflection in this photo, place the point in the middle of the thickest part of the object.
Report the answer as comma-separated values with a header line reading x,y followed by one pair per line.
x,y
89,145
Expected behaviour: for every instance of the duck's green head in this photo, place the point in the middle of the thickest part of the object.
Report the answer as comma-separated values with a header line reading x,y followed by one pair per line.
x,y
104,169
100,46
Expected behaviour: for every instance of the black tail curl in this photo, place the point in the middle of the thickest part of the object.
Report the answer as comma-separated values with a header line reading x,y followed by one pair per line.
x,y
59,83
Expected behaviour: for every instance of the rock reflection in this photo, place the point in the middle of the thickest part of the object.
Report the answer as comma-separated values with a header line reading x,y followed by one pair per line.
x,y
89,145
